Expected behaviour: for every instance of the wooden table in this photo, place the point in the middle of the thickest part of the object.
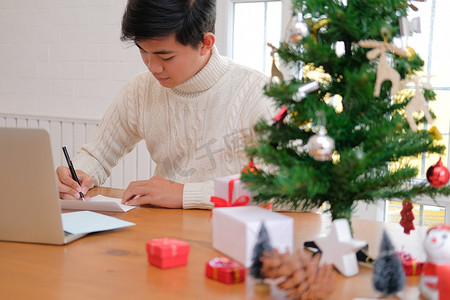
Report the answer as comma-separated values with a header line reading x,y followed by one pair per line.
x,y
113,264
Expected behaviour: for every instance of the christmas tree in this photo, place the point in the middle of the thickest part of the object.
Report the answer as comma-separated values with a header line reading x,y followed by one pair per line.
x,y
262,245
388,275
353,136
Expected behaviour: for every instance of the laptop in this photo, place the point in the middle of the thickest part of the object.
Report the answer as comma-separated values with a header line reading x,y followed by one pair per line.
x,y
29,200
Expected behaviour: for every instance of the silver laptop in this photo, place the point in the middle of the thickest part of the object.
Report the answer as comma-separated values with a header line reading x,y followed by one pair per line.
x,y
29,201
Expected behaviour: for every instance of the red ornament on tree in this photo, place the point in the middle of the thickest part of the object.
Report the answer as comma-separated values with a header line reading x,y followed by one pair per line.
x,y
251,167
438,174
407,217
281,114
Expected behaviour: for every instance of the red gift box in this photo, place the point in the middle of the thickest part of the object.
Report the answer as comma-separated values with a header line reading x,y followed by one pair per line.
x,y
167,253
225,270
411,266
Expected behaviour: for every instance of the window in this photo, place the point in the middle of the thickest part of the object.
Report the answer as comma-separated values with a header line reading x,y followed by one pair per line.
x,y
254,25
431,45
426,215
244,27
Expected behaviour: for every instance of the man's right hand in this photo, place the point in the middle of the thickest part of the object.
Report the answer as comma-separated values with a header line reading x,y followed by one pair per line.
x,y
69,188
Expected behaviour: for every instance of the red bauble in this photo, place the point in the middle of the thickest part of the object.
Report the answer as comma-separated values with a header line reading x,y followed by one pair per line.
x,y
438,174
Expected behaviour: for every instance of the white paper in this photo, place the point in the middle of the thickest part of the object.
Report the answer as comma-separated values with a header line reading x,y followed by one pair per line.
x,y
79,222
99,203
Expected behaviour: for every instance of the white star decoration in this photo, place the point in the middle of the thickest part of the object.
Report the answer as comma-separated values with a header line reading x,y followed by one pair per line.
x,y
339,248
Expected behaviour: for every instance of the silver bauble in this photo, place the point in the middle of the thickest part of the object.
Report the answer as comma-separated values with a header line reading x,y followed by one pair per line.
x,y
320,146
298,29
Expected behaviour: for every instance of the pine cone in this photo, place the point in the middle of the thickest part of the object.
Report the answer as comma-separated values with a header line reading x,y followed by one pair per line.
x,y
304,278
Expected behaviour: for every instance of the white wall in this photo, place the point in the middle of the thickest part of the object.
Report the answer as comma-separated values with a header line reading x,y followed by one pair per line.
x,y
63,57
223,26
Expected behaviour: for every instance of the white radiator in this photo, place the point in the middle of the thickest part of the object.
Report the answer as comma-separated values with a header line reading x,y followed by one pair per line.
x,y
72,133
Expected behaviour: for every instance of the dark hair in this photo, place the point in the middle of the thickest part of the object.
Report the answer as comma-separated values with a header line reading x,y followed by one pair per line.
x,y
152,19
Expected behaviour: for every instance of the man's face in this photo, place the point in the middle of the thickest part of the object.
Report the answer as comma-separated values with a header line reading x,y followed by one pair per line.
x,y
171,62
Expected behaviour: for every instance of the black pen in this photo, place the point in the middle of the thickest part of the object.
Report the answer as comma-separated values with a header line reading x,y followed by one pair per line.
x,y
72,170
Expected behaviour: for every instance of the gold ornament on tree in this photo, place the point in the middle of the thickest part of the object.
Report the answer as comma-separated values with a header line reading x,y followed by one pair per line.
x,y
417,103
413,7
315,27
435,133
303,276
275,72
410,53
384,70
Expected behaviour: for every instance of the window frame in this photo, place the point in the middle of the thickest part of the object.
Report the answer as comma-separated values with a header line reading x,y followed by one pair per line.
x,y
225,21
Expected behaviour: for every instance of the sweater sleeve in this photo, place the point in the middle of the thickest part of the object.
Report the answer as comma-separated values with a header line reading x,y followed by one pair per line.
x,y
198,195
259,107
116,136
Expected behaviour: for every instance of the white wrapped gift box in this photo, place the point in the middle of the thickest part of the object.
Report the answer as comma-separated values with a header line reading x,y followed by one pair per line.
x,y
222,188
235,231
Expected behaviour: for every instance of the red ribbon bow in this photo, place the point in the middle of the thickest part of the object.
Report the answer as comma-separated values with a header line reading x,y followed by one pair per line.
x,y
241,201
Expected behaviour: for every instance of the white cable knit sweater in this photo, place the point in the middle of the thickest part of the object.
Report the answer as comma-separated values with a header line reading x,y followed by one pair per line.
x,y
194,132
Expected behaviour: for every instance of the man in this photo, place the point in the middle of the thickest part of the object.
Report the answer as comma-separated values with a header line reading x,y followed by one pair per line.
x,y
194,108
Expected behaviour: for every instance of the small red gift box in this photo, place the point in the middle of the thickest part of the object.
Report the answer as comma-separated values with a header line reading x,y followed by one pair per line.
x,y
225,270
411,266
167,253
